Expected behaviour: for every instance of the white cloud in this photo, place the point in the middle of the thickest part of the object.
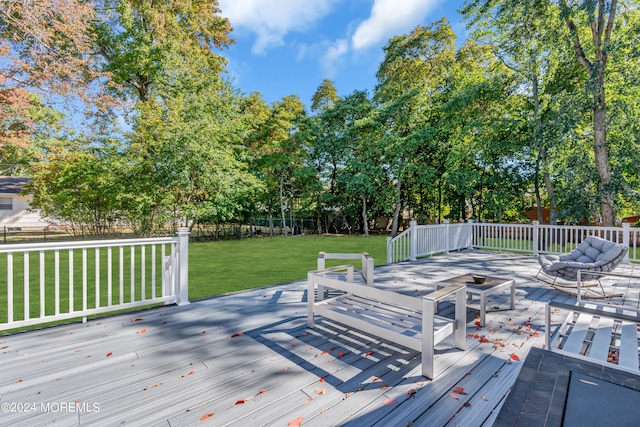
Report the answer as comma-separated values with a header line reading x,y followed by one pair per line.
x,y
272,20
389,18
332,56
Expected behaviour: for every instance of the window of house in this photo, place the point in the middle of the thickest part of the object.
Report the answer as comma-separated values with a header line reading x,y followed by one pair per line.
x,y
6,203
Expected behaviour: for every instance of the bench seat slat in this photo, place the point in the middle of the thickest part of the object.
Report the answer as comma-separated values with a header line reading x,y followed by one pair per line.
x,y
602,340
575,341
629,346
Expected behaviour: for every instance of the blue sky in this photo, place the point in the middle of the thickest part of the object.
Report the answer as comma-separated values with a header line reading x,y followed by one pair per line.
x,y
286,47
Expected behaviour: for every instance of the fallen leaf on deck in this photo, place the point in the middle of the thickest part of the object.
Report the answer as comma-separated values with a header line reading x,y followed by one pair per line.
x,y
264,390
78,351
484,339
369,353
110,354
309,399
411,392
295,344
240,402
514,357
141,331
296,423
390,401
322,379
137,319
454,396
420,383
459,390
484,398
205,416
237,334
321,390
466,404
341,353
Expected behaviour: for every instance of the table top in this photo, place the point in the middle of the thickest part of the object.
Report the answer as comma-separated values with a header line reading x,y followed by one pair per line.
x,y
467,279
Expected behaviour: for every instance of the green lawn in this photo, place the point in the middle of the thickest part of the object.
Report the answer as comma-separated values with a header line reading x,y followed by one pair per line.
x,y
220,267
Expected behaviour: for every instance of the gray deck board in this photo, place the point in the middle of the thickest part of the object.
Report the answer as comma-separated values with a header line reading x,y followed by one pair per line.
x,y
249,358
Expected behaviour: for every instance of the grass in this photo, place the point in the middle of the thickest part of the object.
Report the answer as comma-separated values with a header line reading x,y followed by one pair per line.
x,y
217,268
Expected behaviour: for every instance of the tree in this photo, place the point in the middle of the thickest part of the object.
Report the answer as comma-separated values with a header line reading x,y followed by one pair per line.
x,y
601,26
412,78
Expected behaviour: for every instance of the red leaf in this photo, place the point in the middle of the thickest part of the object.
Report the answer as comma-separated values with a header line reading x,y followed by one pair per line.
x,y
264,390
459,390
110,354
369,353
240,402
484,339
296,423
535,334
191,373
295,344
390,401
341,353
466,404
322,379
514,357
205,416
137,319
142,331
237,334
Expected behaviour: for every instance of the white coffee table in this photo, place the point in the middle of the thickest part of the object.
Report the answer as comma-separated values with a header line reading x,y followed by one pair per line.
x,y
491,286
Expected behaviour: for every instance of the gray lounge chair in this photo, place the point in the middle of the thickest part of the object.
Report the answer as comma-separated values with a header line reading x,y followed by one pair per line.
x,y
593,254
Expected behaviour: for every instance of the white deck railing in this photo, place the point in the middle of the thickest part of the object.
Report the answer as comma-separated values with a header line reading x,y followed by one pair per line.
x,y
534,238
46,282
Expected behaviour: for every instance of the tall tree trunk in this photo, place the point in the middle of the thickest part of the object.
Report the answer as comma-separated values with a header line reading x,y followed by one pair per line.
x,y
396,213
284,218
601,30
365,221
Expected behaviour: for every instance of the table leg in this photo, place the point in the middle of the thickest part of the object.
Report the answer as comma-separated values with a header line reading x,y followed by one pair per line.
x,y
513,296
483,307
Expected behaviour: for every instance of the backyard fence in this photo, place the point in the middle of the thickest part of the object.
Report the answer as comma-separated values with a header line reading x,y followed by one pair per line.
x,y
534,238
48,282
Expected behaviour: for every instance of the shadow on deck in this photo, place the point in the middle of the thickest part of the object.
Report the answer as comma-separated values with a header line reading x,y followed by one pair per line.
x,y
249,358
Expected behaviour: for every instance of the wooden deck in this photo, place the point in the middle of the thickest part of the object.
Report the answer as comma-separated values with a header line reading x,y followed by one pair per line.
x,y
249,359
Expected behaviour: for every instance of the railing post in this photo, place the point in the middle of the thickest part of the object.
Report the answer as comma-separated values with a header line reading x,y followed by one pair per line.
x,y
447,230
625,240
413,236
470,238
183,267
534,234
389,251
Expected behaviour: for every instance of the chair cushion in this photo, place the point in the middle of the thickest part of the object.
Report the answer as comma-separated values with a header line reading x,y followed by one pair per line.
x,y
593,254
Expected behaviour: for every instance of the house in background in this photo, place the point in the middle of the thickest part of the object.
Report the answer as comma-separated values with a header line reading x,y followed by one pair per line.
x,y
15,210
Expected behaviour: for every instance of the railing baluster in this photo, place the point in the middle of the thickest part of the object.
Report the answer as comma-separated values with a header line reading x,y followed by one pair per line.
x,y
121,274
42,285
153,271
132,281
84,279
10,287
71,293
143,269
109,277
97,272
56,279
27,302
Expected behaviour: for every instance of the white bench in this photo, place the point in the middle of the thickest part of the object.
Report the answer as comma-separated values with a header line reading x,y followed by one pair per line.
x,y
405,320
599,333
367,263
